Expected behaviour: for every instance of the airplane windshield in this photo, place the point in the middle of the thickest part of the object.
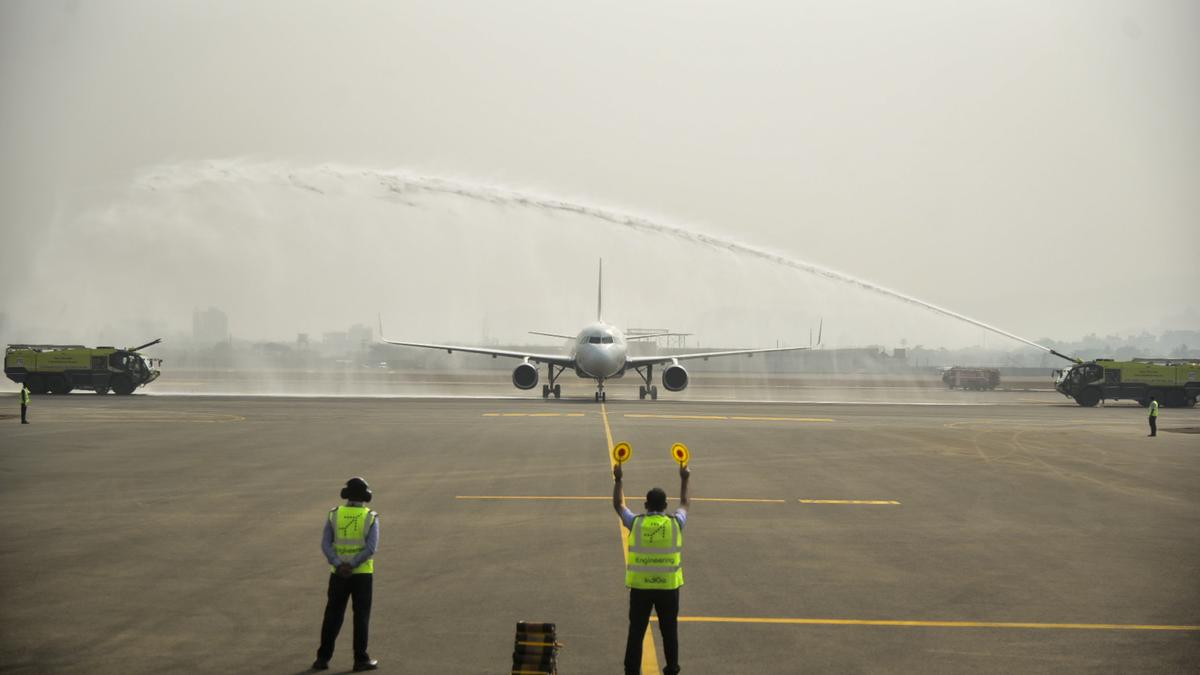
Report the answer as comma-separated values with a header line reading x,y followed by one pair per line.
x,y
607,339
595,339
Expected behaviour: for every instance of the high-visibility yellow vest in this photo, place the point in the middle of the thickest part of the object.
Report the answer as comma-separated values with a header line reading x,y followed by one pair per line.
x,y
655,553
350,527
1154,408
24,395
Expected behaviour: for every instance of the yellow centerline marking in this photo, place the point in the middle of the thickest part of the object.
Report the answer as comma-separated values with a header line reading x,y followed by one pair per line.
x,y
649,655
544,497
740,418
738,501
939,624
869,502
728,500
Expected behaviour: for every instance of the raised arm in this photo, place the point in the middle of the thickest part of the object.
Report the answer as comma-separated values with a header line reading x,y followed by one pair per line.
x,y
618,495
684,475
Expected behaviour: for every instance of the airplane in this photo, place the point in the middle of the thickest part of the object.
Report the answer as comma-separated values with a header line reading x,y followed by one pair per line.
x,y
598,352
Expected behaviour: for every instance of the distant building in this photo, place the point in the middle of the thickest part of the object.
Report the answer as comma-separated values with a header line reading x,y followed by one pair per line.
x,y
210,326
359,337
335,342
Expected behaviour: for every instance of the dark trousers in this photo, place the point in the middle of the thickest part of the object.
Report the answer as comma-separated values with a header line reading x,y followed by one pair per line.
x,y
23,408
341,589
1153,426
666,605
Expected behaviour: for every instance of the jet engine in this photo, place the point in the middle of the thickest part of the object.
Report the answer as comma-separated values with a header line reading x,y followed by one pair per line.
x,y
525,376
674,378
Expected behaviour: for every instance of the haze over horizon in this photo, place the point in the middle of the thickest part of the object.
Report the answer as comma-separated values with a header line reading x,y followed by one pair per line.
x,y
1032,166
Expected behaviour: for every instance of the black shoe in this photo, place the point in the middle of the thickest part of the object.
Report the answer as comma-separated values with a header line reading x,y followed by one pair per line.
x,y
320,665
369,664
24,422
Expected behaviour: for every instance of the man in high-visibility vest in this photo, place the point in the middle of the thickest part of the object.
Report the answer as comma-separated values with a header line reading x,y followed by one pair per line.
x,y
24,402
1154,416
349,542
653,569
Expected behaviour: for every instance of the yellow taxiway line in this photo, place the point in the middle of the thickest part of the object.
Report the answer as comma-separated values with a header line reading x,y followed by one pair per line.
x,y
649,655
727,500
517,497
854,502
939,624
739,418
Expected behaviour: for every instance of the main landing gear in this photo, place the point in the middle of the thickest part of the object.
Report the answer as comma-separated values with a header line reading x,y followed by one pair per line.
x,y
647,389
552,388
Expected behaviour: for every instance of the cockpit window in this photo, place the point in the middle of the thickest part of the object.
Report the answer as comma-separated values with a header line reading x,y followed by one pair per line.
x,y
595,339
607,339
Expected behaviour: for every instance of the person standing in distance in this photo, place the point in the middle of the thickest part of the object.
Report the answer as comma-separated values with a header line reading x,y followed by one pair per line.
x,y
654,570
349,542
1154,416
24,402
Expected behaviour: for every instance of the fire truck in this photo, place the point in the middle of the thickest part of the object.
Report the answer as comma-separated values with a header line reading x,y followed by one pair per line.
x,y
58,369
979,379
1173,382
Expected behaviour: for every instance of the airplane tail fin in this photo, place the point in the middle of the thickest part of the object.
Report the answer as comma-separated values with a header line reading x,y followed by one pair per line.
x,y
600,293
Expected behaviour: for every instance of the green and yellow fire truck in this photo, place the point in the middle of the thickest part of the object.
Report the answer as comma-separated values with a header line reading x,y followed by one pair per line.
x,y
1173,382
57,369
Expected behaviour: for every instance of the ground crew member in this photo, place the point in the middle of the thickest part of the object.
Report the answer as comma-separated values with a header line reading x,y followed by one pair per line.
x,y
654,571
24,402
1154,416
349,542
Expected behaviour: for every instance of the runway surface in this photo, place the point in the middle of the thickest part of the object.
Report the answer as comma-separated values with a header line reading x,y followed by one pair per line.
x,y
180,533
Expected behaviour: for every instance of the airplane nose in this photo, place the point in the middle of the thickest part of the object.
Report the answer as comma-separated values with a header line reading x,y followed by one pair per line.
x,y
597,362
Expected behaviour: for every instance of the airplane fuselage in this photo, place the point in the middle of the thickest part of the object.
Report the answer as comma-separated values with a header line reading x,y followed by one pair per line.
x,y
599,352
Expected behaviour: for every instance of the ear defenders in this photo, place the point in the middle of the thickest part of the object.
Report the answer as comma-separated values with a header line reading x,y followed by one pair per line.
x,y
357,490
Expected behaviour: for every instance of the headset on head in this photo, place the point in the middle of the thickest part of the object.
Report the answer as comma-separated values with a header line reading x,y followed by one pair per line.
x,y
357,487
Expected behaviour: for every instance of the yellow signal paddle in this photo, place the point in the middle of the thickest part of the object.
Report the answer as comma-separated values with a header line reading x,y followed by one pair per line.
x,y
621,452
680,453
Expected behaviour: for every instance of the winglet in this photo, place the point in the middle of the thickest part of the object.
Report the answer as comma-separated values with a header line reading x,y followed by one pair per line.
x,y
820,330
600,293
380,325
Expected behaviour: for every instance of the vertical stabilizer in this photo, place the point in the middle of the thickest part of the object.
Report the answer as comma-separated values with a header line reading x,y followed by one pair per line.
x,y
600,293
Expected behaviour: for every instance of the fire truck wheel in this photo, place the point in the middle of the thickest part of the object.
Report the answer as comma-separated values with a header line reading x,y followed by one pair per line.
x,y
1088,397
59,385
122,385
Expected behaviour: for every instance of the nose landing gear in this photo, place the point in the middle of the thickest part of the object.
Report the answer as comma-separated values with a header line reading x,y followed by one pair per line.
x,y
600,395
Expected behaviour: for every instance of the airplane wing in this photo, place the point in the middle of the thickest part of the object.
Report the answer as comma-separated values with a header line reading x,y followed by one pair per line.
x,y
638,361
556,359
655,335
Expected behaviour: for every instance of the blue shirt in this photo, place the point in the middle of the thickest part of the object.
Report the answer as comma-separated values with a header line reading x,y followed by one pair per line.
x,y
627,516
363,555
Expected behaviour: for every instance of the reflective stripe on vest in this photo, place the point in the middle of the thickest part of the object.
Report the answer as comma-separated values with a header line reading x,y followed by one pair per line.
x,y
350,527
24,395
655,553
1154,408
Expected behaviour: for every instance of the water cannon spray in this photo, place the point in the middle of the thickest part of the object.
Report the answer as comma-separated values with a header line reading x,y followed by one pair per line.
x,y
1071,359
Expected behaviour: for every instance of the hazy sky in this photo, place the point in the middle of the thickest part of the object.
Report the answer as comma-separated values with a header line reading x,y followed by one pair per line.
x,y
1033,164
